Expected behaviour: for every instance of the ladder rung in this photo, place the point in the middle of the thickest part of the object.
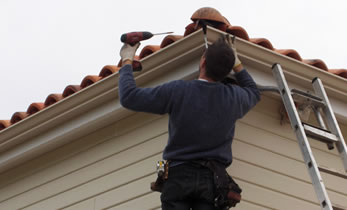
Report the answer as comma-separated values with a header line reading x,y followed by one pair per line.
x,y
320,134
306,98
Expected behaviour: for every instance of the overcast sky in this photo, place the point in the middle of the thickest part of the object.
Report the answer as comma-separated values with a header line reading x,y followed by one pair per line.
x,y
46,45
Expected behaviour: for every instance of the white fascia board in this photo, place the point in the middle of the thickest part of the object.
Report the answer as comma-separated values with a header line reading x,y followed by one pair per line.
x,y
97,105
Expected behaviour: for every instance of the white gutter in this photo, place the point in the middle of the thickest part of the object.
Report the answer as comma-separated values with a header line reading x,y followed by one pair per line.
x,y
97,105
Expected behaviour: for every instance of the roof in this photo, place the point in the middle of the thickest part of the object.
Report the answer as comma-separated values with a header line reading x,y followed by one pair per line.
x,y
205,15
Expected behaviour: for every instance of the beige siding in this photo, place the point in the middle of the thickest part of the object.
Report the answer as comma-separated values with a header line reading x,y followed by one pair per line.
x,y
112,168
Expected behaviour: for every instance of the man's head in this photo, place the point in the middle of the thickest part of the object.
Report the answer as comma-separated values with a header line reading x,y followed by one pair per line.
x,y
219,60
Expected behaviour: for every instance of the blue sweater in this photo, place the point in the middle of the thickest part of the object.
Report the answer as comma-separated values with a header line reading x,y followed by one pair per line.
x,y
202,114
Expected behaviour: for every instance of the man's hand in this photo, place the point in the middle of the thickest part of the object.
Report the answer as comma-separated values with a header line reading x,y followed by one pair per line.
x,y
127,52
237,65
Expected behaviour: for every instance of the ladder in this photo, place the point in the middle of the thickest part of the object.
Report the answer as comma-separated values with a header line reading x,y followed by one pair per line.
x,y
329,134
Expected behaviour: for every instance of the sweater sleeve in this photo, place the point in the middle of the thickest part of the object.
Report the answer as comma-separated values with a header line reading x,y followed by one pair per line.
x,y
155,100
247,93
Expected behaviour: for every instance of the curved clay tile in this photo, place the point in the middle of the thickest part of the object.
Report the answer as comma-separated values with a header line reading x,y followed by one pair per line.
x,y
222,27
89,80
108,70
35,107
198,25
71,89
208,13
317,63
190,29
18,116
53,98
169,39
238,31
339,72
290,53
4,124
262,42
149,49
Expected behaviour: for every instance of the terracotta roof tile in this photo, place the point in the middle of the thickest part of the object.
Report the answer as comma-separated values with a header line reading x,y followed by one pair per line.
x,y
317,63
210,14
205,15
149,49
71,89
340,72
262,42
169,39
108,70
18,116
89,80
190,28
53,98
290,53
4,124
238,31
35,107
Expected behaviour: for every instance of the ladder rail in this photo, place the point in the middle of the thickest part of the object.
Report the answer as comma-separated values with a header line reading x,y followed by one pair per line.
x,y
306,151
331,120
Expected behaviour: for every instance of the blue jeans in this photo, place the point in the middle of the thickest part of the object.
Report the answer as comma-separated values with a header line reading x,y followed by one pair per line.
x,y
189,187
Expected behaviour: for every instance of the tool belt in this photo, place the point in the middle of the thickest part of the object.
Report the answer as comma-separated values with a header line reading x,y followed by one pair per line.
x,y
228,193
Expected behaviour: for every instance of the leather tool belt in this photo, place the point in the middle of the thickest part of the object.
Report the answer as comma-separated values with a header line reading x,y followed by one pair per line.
x,y
228,193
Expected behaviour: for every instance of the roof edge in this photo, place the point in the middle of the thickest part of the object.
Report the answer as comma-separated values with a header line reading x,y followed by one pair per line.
x,y
97,105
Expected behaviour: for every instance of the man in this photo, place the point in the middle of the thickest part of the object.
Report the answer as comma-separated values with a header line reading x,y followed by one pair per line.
x,y
202,117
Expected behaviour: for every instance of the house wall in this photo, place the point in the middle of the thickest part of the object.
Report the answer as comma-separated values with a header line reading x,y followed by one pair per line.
x,y
112,167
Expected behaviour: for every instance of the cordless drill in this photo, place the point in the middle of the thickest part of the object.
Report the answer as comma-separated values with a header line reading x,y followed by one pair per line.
x,y
134,37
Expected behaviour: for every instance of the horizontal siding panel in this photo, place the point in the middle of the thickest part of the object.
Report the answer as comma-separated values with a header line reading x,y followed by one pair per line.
x,y
86,205
272,125
269,140
281,183
274,181
124,193
40,163
285,148
103,185
112,146
91,172
146,202
271,199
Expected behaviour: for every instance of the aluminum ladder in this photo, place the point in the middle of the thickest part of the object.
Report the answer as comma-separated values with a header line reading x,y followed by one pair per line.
x,y
330,134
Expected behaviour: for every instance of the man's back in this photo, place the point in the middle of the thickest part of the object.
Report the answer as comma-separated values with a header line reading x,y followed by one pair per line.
x,y
202,114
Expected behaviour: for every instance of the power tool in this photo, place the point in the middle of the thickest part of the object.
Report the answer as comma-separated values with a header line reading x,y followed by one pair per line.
x,y
134,37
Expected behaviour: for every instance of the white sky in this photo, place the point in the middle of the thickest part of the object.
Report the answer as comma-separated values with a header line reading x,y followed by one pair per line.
x,y
46,45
